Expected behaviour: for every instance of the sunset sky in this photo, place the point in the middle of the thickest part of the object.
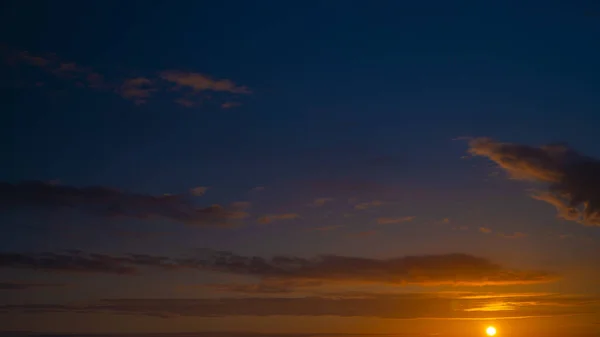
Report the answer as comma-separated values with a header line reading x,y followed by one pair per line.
x,y
300,168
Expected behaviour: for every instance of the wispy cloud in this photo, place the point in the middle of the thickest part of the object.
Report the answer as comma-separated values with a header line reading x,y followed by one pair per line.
x,y
137,89
229,105
199,191
320,202
26,285
426,270
267,219
387,221
369,204
326,228
397,306
201,82
108,202
515,235
573,179
485,230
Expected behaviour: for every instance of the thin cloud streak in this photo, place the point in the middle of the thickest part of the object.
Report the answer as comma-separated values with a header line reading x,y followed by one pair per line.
x,y
109,202
425,270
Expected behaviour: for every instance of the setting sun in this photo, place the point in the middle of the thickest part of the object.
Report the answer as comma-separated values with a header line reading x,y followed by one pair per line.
x,y
490,331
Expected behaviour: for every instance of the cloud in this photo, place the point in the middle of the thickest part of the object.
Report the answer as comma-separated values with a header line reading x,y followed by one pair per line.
x,y
515,235
273,287
137,89
267,219
396,306
387,221
572,179
229,105
200,82
485,230
26,286
320,202
199,191
425,270
326,228
110,202
366,205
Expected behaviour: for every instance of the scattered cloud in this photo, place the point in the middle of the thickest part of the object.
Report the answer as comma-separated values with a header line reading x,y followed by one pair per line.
x,y
320,202
199,191
573,179
268,287
387,221
425,270
369,204
515,235
201,82
326,228
267,219
485,230
137,89
229,105
396,306
26,285
110,202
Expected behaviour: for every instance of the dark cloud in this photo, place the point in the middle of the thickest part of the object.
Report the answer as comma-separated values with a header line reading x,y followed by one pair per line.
x,y
573,179
137,89
201,82
397,306
269,218
318,202
26,285
115,203
79,262
369,204
388,220
426,270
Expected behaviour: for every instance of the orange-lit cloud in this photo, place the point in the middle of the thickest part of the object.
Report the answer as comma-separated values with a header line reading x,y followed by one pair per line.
x,y
201,82
267,219
369,204
573,179
485,230
425,270
137,89
397,306
320,202
387,221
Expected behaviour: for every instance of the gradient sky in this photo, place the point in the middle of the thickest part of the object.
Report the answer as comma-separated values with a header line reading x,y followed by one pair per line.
x,y
314,168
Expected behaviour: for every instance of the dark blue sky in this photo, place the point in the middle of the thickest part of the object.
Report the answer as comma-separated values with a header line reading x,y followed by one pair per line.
x,y
344,114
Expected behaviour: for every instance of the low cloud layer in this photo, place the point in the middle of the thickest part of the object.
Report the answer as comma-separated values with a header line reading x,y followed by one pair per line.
x,y
110,202
26,285
572,179
189,88
397,306
426,270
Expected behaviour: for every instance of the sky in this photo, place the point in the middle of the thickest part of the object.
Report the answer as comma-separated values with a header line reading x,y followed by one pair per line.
x,y
300,168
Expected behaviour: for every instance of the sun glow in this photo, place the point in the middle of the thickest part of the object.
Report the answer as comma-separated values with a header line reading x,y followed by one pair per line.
x,y
490,331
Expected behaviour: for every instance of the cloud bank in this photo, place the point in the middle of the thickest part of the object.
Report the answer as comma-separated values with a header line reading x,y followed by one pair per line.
x,y
397,306
572,179
110,202
425,270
